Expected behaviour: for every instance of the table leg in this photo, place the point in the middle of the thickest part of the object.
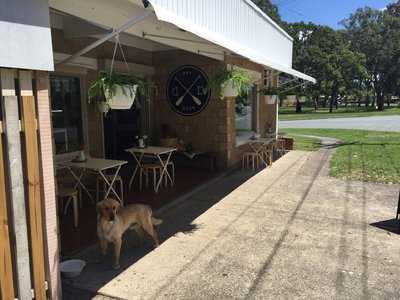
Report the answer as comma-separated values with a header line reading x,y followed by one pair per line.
x,y
138,167
164,170
111,185
79,181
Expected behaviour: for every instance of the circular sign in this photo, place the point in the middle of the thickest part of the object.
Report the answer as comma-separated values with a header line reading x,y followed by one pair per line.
x,y
187,90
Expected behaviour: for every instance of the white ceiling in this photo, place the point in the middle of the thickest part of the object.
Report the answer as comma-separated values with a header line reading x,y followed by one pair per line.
x,y
150,34
74,27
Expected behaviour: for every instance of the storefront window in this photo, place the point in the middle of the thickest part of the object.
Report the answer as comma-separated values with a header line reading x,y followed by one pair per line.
x,y
66,113
246,112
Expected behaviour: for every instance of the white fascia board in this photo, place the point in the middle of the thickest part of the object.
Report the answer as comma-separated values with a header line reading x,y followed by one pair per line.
x,y
167,14
25,35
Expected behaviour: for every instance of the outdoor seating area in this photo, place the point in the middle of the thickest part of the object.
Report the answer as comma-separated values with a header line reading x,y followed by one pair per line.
x,y
83,184
263,152
149,175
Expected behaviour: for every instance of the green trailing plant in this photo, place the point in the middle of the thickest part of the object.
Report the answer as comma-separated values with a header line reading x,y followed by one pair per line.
x,y
104,88
106,84
239,79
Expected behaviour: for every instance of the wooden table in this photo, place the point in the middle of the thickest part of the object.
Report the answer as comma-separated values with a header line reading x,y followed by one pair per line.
x,y
98,165
260,147
158,152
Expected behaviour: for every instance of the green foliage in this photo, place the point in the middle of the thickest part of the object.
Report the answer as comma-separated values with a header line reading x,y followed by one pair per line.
x,y
105,85
376,34
240,80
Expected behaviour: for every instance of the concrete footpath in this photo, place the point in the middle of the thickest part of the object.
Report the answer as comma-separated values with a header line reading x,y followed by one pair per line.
x,y
288,232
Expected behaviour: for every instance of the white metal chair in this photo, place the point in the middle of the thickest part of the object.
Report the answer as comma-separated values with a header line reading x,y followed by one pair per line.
x,y
250,159
70,195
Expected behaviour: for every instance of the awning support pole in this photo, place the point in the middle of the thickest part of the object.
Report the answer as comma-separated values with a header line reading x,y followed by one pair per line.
x,y
104,39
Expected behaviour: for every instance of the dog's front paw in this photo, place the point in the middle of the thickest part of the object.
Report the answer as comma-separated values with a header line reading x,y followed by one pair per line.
x,y
116,267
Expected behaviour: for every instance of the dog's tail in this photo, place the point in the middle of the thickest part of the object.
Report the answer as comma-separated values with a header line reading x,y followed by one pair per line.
x,y
156,221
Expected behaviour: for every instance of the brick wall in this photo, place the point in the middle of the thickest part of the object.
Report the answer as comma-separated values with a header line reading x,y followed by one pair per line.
x,y
49,198
206,131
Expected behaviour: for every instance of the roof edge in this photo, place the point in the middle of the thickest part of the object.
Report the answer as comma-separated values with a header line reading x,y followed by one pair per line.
x,y
268,19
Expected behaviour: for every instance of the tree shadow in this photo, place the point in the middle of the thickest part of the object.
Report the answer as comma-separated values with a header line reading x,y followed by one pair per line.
x,y
391,225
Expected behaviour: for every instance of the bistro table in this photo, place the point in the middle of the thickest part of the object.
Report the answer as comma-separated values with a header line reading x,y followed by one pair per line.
x,y
260,147
97,165
158,152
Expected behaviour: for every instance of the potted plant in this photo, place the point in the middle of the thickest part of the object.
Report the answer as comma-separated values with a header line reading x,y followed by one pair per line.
x,y
115,91
230,83
272,93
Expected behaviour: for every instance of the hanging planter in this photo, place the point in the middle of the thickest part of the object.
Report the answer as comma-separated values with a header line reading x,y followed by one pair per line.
x,y
115,91
123,98
230,83
271,99
272,94
228,90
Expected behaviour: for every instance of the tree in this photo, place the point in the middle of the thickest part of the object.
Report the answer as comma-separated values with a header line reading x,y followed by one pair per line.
x,y
325,54
376,34
270,9
394,9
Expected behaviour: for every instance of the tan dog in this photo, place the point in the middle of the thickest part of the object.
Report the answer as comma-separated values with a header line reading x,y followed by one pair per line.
x,y
113,221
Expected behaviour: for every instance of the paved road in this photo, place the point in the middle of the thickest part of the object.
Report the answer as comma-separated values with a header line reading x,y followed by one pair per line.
x,y
282,234
384,123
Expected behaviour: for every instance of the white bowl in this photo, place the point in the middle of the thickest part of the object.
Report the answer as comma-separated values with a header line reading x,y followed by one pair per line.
x,y
72,268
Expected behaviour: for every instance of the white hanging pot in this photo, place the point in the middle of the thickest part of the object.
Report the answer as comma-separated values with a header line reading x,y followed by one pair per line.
x,y
228,90
123,98
271,99
103,107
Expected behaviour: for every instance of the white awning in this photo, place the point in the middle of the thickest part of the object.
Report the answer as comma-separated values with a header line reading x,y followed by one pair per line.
x,y
207,27
236,25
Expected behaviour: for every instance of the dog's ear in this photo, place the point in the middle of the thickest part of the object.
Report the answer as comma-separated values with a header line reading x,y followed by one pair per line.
x,y
99,207
117,205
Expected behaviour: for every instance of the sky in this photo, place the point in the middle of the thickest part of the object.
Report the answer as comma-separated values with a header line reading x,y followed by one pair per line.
x,y
324,12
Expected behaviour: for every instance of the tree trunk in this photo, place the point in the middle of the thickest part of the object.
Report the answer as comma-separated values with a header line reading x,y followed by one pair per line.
x,y
331,104
367,100
333,99
316,103
298,105
324,102
380,101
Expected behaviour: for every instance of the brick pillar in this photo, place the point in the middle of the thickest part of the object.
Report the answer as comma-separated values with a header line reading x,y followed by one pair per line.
x,y
49,198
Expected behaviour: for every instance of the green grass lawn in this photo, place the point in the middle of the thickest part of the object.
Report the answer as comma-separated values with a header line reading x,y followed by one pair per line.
x,y
363,155
305,143
289,113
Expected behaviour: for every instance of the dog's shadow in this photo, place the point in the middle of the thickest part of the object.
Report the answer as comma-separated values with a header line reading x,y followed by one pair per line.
x,y
132,250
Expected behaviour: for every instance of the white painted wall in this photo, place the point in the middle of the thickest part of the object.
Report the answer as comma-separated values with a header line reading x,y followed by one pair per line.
x,y
25,35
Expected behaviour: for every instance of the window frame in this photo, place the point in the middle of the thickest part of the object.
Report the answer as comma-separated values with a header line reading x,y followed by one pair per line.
x,y
85,135
243,141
